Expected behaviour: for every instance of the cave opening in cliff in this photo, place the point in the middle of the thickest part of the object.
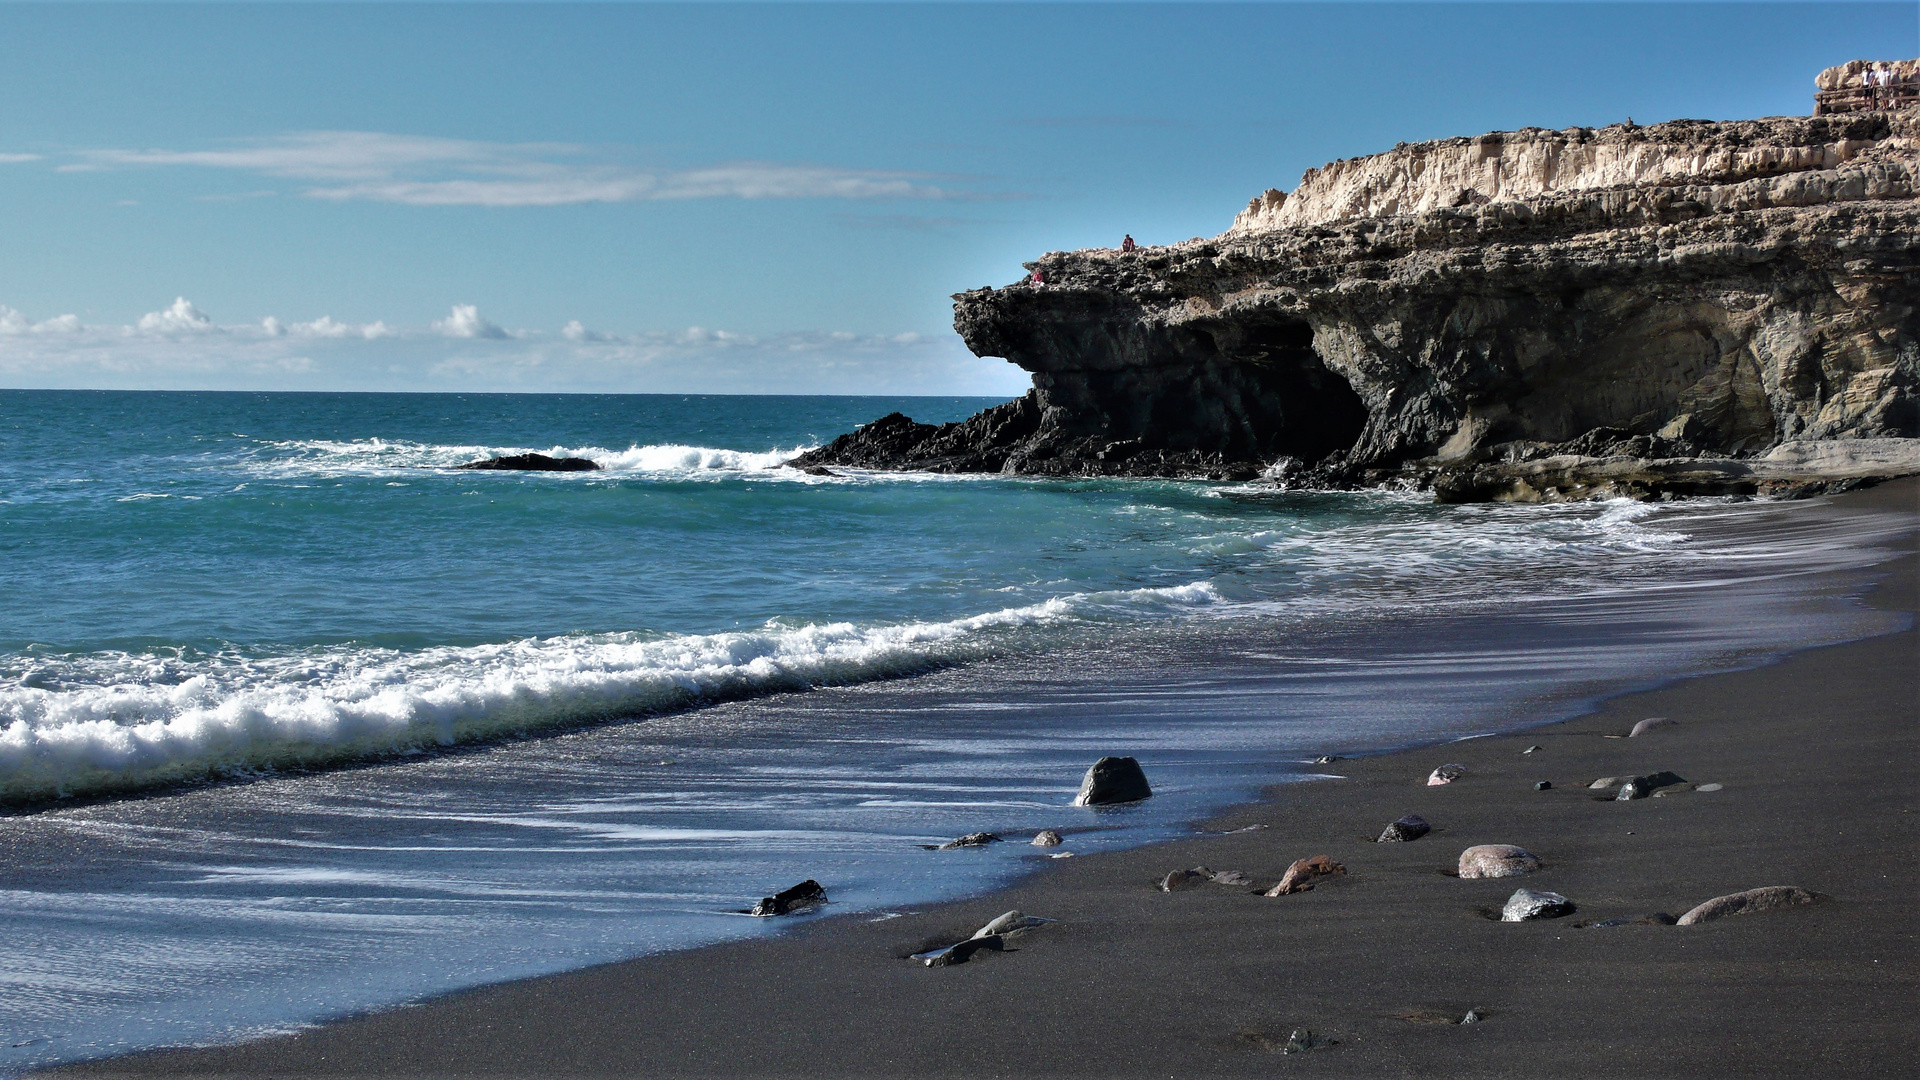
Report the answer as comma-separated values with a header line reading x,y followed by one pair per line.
x,y
1311,411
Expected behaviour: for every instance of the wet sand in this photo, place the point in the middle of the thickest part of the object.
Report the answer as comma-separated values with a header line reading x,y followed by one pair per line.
x,y
1817,755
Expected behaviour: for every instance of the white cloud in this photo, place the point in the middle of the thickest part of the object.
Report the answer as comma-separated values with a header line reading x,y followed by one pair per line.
x,y
576,331
16,159
272,327
428,171
181,317
12,322
465,322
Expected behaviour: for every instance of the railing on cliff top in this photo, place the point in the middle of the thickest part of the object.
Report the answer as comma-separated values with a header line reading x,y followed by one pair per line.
x,y
1865,98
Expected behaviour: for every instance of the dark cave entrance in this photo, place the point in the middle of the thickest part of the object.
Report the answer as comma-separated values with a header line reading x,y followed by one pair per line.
x,y
1301,408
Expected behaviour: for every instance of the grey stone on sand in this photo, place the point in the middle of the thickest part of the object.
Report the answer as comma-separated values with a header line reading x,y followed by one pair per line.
x,y
960,952
1046,838
1113,780
785,902
1411,827
1608,782
1544,785
1185,879
1533,749
1230,877
1009,923
978,839
1749,902
1473,1017
1711,787
1446,774
1651,723
1497,861
1526,905
1300,876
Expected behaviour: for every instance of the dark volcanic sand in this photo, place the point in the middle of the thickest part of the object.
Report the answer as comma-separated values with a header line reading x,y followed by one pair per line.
x,y
1818,755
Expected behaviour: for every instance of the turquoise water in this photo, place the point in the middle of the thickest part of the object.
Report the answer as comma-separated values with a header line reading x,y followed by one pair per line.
x,y
485,725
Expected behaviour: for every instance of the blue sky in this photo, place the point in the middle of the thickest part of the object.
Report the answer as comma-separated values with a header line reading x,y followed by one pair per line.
x,y
717,197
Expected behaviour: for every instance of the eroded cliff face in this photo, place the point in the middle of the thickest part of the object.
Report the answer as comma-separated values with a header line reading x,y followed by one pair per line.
x,y
1458,312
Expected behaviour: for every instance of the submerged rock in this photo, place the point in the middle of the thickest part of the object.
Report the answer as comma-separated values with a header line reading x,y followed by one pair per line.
x,y
1497,861
1299,877
1525,905
1446,774
978,839
1749,902
1046,838
1411,827
1113,780
787,901
533,463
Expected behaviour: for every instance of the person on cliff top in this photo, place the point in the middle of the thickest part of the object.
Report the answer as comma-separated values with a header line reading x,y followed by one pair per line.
x,y
1128,244
1037,279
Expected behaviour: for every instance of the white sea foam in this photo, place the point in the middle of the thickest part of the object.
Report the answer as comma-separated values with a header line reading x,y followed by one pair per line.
x,y
381,457
116,721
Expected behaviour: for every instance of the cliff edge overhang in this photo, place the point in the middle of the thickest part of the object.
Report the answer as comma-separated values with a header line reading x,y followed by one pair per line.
x,y
1531,314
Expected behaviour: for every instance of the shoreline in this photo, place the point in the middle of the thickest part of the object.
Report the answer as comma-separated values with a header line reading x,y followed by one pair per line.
x,y
1196,981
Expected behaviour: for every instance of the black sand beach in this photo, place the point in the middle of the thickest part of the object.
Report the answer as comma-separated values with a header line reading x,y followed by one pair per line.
x,y
1817,756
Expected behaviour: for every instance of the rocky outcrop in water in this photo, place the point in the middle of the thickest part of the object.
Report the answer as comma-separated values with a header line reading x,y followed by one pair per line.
x,y
1689,307
533,463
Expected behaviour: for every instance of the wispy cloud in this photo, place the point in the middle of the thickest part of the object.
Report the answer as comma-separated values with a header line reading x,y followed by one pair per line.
x,y
181,347
17,159
419,170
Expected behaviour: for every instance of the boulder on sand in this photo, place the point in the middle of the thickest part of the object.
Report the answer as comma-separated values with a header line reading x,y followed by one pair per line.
x,y
1526,905
1446,774
1411,827
1746,903
1046,838
1651,723
1497,861
962,951
1010,923
1639,787
1113,780
1185,879
533,463
804,895
1299,877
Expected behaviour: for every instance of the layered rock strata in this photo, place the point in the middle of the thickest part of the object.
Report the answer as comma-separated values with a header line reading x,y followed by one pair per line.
x,y
1689,307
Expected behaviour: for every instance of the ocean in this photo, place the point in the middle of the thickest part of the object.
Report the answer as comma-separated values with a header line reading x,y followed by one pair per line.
x,y
296,720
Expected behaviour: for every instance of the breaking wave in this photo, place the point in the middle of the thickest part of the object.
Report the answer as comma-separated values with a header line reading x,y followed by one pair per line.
x,y
110,722
380,457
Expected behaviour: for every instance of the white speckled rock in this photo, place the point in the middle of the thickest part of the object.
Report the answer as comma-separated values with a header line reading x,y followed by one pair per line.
x,y
1446,774
1046,838
1497,861
1526,905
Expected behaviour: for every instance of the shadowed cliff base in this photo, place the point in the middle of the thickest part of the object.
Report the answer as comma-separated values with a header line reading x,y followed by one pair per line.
x,y
1688,308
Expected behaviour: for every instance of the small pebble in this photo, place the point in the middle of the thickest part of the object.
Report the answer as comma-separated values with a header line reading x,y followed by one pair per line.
x,y
1531,749
1473,1017
1711,787
1543,785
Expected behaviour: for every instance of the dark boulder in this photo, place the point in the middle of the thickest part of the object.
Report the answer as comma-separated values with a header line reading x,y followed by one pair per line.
x,y
533,463
1113,780
804,895
1411,827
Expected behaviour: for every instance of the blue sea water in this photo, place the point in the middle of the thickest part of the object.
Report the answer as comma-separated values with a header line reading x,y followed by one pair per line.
x,y
297,720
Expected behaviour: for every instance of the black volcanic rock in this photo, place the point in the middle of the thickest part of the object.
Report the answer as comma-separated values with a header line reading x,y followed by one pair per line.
x,y
533,463
1687,308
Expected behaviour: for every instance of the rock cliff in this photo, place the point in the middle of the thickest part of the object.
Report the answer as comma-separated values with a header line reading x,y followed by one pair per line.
x,y
1531,314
